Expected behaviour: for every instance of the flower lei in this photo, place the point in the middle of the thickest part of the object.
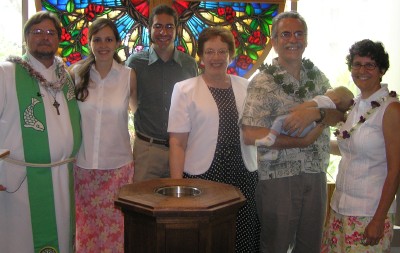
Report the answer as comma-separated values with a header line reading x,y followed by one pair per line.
x,y
55,86
374,107
289,88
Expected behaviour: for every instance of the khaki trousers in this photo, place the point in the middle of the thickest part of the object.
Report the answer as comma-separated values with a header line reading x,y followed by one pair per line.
x,y
151,160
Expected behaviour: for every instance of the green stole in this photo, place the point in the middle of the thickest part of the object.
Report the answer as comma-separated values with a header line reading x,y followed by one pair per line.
x,y
36,150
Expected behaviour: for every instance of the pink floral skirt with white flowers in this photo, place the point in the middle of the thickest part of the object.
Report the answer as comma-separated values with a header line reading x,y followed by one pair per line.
x,y
99,225
345,234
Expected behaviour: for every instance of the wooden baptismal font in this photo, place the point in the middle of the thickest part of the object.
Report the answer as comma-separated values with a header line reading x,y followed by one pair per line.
x,y
179,216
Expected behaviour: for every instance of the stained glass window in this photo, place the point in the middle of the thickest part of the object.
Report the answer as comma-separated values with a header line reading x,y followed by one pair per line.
x,y
250,23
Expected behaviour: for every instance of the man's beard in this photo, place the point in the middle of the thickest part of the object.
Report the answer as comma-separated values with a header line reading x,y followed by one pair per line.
x,y
43,54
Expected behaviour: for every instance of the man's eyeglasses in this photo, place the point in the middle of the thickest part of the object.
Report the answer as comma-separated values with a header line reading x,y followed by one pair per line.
x,y
40,32
367,66
298,35
167,27
220,52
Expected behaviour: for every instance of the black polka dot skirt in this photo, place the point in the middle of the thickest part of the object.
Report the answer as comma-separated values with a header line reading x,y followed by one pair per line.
x,y
228,167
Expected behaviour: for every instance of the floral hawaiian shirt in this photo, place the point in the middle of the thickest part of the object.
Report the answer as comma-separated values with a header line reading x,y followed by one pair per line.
x,y
267,100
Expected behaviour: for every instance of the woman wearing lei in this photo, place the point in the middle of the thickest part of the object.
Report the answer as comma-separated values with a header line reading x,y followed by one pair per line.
x,y
363,204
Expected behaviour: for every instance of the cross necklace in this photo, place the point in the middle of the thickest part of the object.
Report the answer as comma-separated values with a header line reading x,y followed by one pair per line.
x,y
55,104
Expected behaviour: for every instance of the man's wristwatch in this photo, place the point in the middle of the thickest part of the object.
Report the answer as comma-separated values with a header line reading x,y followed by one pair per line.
x,y
322,115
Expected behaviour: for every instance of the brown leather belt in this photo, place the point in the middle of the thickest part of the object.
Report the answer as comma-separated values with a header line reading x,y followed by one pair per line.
x,y
152,140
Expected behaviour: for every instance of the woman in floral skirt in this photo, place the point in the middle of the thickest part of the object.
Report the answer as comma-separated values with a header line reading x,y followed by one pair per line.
x,y
104,161
363,204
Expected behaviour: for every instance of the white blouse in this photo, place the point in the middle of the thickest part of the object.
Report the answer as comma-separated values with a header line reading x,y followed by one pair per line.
x,y
105,135
363,167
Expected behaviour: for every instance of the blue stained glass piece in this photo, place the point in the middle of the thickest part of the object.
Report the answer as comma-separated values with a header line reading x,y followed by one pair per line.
x,y
196,26
235,6
59,4
105,3
260,8
81,4
240,71
124,25
146,38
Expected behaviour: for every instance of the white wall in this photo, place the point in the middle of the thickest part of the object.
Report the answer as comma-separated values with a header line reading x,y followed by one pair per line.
x,y
334,25
11,27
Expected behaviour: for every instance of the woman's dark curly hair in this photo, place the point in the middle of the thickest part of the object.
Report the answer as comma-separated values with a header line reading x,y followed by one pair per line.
x,y
374,50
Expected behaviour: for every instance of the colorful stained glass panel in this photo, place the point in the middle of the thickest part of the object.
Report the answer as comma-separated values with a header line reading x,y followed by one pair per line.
x,y
249,22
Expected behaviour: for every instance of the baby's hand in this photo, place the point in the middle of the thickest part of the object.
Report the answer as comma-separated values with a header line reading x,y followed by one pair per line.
x,y
2,188
268,141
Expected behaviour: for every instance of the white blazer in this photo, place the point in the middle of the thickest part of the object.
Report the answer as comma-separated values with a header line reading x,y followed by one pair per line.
x,y
194,111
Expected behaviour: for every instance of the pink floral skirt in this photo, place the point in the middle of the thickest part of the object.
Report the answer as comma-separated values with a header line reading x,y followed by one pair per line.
x,y
345,234
99,225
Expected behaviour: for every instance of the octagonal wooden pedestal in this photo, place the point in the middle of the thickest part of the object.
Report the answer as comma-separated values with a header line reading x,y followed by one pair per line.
x,y
158,223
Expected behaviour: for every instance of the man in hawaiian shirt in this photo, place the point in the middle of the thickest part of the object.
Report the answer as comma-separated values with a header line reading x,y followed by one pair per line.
x,y
291,193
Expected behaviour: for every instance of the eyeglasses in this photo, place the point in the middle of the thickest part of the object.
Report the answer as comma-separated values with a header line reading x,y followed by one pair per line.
x,y
220,52
39,32
298,35
167,27
367,66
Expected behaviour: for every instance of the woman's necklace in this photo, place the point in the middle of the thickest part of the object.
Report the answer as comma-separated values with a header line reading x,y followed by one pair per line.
x,y
289,88
345,134
52,87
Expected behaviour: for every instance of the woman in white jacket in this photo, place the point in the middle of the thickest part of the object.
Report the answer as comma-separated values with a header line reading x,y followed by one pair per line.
x,y
205,138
